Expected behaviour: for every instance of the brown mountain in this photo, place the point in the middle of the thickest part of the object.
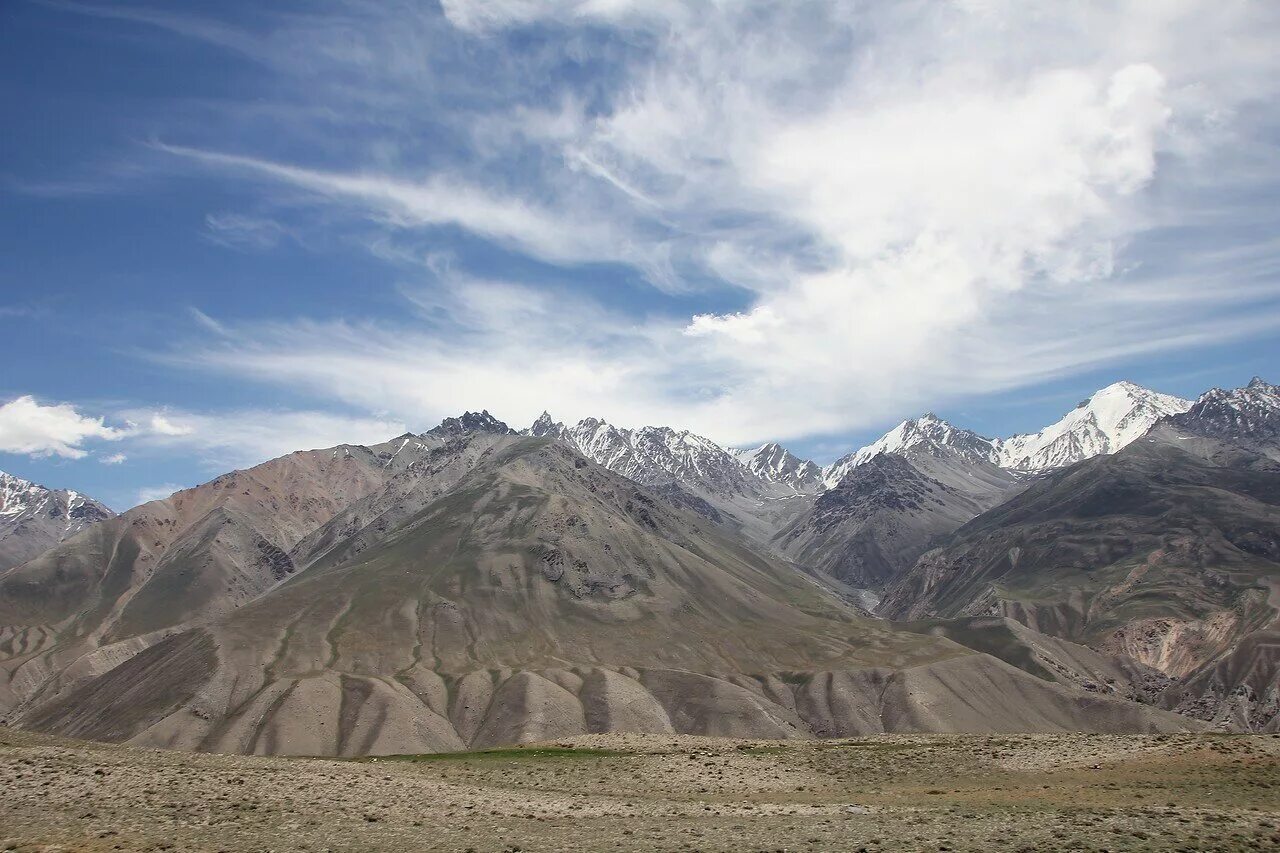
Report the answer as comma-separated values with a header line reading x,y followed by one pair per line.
x,y
86,605
469,587
884,513
1168,552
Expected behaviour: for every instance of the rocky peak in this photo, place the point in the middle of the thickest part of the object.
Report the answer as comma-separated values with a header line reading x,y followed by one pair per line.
x,y
885,481
1250,415
927,434
34,518
774,463
651,455
545,426
470,422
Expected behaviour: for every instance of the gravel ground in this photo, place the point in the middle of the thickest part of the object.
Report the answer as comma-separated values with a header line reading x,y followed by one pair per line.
x,y
939,792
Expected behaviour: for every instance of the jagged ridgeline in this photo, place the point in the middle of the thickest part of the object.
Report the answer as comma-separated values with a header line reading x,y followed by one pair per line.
x,y
33,518
469,587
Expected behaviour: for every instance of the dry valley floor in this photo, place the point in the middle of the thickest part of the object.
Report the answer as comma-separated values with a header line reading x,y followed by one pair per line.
x,y
618,792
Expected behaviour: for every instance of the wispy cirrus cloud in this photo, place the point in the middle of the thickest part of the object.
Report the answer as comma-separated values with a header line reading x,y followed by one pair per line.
x,y
517,357
904,203
241,231
439,200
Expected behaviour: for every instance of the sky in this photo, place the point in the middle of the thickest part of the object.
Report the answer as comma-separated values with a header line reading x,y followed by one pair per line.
x,y
229,230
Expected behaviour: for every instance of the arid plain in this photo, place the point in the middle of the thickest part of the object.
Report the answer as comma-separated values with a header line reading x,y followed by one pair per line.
x,y
620,792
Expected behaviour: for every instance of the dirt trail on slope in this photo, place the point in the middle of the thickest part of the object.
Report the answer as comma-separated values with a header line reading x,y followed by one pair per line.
x,y
1019,792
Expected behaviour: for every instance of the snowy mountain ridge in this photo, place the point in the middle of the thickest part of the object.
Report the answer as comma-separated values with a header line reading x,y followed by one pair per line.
x,y
652,456
774,463
927,434
1112,418
1108,420
34,518
1248,415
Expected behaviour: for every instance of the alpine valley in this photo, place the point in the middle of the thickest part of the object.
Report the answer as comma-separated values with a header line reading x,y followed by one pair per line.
x,y
474,586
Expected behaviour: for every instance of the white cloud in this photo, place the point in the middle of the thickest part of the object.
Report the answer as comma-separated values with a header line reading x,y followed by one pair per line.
x,y
556,235
156,493
245,437
911,202
30,427
161,425
239,231
221,440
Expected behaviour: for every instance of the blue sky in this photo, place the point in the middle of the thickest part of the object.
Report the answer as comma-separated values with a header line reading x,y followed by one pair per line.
x,y
232,229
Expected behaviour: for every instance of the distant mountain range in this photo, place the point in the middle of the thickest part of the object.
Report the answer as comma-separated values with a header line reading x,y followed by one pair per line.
x,y
473,585
792,504
1109,420
1166,552
33,518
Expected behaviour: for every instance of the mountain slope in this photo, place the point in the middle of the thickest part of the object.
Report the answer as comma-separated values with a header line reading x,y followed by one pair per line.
x,y
886,504
885,513
1166,551
124,584
871,524
541,596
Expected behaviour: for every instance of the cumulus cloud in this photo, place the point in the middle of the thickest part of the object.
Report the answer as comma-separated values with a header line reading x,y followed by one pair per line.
x,y
113,459
37,429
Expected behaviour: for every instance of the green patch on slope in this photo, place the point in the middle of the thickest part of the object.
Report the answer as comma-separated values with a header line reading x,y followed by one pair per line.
x,y
507,754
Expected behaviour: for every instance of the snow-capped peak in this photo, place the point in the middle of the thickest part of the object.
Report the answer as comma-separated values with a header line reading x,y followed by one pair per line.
x,y
776,464
544,426
651,455
1249,415
1112,418
928,434
33,518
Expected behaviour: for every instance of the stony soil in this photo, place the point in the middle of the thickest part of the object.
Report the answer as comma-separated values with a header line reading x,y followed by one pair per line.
x,y
929,792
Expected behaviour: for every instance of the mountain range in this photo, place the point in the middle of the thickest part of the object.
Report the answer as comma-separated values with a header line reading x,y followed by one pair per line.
x,y
34,518
853,522
475,585
1112,418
